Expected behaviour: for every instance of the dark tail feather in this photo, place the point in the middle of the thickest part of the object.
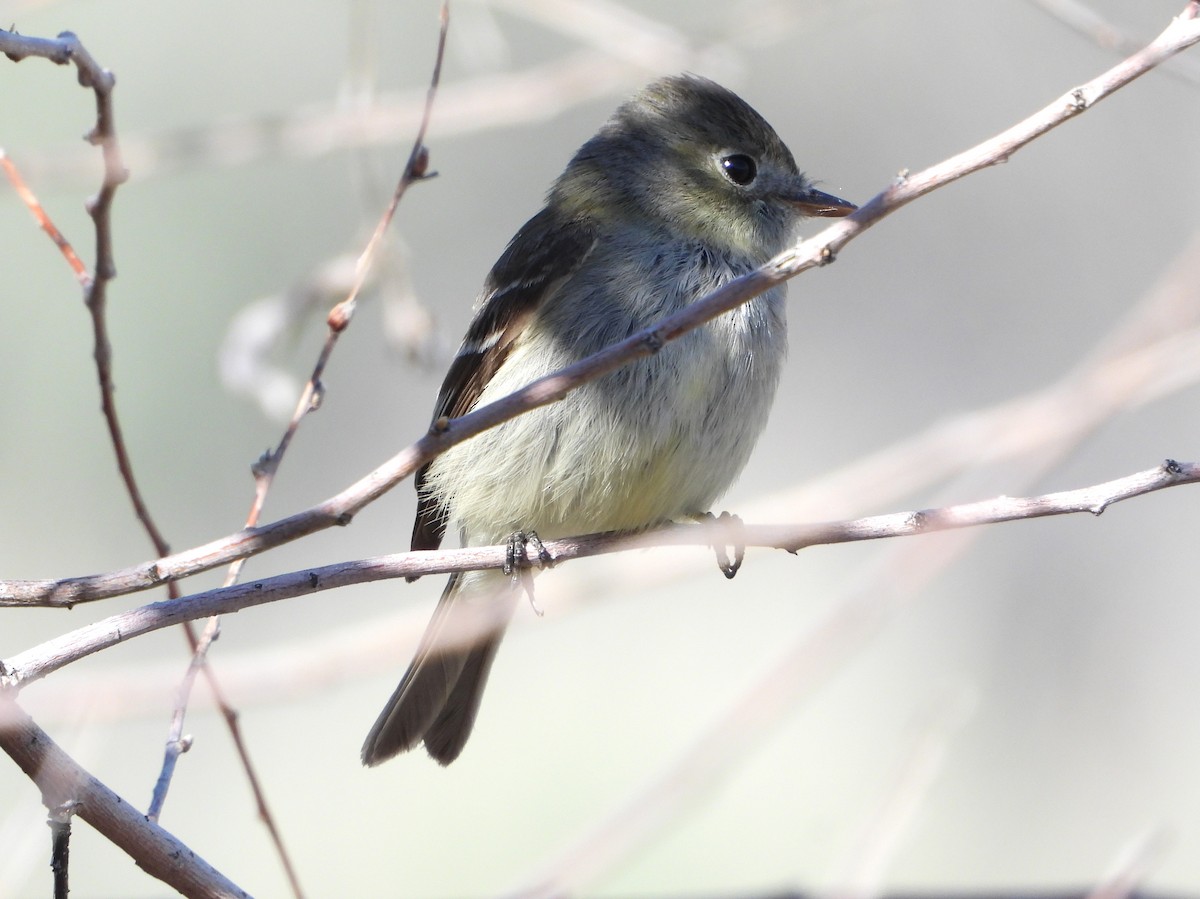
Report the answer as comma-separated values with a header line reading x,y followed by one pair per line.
x,y
438,697
447,736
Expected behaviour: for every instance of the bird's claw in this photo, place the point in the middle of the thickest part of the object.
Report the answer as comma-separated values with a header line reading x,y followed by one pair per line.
x,y
515,554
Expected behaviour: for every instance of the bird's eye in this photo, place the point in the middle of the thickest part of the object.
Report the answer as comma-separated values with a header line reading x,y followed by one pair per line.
x,y
739,168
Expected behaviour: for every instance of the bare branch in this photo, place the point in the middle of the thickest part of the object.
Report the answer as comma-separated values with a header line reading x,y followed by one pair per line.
x,y
58,652
63,782
61,50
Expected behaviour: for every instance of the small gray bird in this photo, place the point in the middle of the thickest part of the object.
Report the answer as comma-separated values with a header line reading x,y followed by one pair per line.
x,y
684,189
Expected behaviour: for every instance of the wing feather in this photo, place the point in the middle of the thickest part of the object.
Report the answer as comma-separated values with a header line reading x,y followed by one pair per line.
x,y
542,256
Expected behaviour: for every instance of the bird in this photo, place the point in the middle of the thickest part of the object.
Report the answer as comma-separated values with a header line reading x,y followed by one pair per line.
x,y
683,189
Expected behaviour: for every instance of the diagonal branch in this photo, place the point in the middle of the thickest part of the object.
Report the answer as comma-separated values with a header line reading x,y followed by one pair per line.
x,y
64,782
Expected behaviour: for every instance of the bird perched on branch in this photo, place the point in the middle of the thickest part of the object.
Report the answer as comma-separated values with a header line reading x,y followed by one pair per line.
x,y
682,190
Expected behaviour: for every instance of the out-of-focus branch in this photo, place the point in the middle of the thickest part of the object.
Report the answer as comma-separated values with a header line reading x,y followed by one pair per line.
x,y
488,101
82,275
622,48
1082,18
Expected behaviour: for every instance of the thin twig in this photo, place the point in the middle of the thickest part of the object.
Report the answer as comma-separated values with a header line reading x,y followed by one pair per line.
x,y
66,48
39,661
27,196
60,847
415,169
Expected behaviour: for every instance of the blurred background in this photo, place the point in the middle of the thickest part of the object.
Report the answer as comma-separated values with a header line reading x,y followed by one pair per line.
x,y
1009,708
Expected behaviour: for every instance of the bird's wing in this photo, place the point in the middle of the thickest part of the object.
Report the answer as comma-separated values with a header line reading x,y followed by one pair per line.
x,y
538,260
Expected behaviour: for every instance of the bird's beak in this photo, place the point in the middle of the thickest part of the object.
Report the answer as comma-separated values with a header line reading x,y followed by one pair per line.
x,y
819,203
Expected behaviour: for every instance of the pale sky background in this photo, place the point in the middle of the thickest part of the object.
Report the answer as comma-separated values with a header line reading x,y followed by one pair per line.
x,y
1035,701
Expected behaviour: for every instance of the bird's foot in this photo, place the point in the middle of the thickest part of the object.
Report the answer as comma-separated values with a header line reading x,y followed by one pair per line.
x,y
734,524
517,565
515,558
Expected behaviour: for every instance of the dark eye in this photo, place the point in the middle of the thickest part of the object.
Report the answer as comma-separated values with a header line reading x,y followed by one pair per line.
x,y
739,168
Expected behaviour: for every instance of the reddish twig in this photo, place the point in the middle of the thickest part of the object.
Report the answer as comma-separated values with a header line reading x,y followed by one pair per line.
x,y
82,275
66,48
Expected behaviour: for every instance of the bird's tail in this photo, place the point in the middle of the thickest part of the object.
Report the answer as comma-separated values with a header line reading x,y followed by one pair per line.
x,y
438,697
